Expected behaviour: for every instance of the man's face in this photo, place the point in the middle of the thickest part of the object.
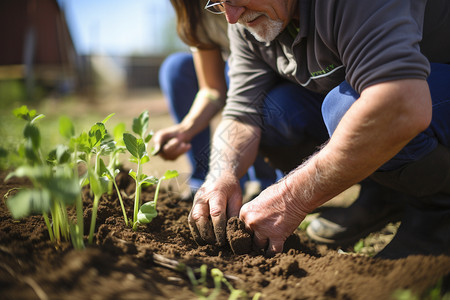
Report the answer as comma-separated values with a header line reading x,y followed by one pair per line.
x,y
265,19
263,28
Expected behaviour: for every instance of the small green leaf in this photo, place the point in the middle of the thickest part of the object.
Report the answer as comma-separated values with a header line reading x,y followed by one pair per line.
x,y
147,212
132,174
37,118
99,185
140,124
102,168
131,144
23,113
31,152
359,246
60,155
104,180
81,143
170,174
27,202
118,132
135,146
148,137
84,180
108,117
31,132
145,159
134,160
142,150
107,147
66,128
146,181
27,171
65,189
97,134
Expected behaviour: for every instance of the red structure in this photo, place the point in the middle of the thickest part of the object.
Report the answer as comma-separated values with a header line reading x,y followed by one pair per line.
x,y
36,44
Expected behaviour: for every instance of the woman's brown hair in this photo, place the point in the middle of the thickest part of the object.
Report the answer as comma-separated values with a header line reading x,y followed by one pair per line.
x,y
189,23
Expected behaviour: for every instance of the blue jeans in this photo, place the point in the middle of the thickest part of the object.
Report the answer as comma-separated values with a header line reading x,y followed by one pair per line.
x,y
293,127
304,117
339,100
178,82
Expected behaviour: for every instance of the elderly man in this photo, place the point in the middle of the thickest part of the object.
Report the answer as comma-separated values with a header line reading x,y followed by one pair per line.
x,y
378,74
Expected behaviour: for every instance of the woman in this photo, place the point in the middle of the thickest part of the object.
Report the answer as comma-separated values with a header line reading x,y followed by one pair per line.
x,y
195,86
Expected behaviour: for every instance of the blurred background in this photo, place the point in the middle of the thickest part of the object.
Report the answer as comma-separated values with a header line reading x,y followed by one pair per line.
x,y
66,46
84,59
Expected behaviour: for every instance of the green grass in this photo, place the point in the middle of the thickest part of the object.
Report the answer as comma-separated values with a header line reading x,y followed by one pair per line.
x,y
11,127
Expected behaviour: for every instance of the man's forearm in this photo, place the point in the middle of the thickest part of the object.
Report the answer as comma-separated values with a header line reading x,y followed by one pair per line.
x,y
234,148
374,129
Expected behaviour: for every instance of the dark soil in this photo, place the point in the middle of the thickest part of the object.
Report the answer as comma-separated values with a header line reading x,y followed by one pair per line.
x,y
153,262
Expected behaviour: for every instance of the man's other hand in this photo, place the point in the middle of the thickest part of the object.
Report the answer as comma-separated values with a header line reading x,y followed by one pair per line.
x,y
272,217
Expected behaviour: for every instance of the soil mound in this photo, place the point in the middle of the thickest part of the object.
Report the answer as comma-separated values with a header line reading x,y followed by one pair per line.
x,y
161,261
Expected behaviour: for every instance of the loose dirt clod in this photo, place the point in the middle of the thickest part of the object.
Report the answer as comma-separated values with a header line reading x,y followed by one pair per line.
x,y
239,238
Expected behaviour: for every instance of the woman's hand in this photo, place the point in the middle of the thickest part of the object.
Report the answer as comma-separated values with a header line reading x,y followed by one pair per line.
x,y
171,142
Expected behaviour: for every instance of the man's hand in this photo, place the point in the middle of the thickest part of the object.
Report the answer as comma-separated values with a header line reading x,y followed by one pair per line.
x,y
171,142
272,216
214,203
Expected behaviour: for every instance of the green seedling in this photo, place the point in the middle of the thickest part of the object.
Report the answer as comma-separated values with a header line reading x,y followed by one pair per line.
x,y
137,147
359,246
113,167
91,146
111,175
54,185
200,284
52,192
147,212
57,184
67,130
30,149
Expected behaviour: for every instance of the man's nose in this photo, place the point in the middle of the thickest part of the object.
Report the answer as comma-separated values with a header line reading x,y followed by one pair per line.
x,y
233,13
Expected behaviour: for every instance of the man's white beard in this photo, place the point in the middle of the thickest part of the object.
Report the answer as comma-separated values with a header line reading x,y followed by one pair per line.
x,y
264,32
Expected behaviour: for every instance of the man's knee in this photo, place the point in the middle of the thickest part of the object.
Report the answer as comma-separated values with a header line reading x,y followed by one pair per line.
x,y
426,176
336,104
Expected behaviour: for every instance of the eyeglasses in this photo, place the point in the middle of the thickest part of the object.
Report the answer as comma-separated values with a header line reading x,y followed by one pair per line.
x,y
215,7
218,7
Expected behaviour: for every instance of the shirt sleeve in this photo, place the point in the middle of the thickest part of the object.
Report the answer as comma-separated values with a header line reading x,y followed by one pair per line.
x,y
250,79
378,41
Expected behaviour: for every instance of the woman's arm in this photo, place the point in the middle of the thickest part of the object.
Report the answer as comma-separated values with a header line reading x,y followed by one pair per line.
x,y
209,67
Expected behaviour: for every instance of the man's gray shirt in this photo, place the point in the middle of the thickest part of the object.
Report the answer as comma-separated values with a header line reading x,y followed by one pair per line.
x,y
363,42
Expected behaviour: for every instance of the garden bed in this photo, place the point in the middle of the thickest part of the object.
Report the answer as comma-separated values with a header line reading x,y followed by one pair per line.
x,y
154,262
